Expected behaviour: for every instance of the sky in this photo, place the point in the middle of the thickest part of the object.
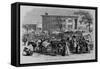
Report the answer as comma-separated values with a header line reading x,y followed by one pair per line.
x,y
32,14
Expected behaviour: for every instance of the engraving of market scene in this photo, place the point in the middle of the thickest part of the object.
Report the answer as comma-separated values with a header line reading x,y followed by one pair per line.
x,y
62,34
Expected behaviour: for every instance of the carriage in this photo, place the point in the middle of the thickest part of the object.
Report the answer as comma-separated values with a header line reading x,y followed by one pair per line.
x,y
52,48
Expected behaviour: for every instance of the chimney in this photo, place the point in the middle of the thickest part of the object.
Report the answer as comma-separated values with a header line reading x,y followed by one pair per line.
x,y
46,13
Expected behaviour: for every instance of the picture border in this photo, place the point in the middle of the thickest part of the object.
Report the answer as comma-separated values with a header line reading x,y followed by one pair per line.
x,y
18,4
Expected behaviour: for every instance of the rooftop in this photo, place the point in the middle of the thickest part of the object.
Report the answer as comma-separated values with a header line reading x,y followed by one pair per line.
x,y
71,16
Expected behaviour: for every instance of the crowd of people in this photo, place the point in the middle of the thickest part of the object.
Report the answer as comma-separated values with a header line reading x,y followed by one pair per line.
x,y
53,46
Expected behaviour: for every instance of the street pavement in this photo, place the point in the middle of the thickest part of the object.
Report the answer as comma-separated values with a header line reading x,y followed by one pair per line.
x,y
40,58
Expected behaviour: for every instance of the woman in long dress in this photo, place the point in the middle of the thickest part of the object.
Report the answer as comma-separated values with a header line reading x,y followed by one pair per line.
x,y
67,47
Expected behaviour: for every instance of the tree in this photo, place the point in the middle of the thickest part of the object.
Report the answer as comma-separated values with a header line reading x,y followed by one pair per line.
x,y
86,18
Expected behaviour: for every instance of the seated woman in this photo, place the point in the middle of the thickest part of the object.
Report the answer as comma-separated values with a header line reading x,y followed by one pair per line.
x,y
28,50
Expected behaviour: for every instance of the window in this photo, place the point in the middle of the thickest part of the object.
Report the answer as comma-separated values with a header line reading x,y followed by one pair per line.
x,y
70,21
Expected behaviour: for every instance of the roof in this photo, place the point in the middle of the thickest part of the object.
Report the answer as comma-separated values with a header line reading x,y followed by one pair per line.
x,y
71,16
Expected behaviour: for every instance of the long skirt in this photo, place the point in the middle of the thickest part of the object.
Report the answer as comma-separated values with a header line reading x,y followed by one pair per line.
x,y
67,49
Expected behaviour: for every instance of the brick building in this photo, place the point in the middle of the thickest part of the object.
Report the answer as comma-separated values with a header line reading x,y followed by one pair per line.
x,y
52,23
